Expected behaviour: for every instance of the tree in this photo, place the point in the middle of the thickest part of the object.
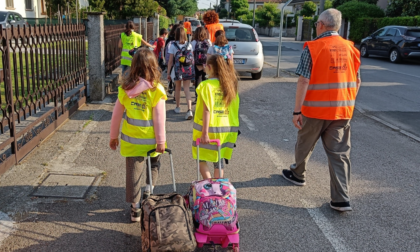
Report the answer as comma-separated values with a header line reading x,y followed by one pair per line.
x,y
353,10
223,13
308,9
179,7
328,4
53,6
140,8
398,8
268,15
236,5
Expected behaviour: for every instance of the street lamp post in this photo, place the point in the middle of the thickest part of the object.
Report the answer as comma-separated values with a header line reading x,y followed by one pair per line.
x,y
280,36
253,16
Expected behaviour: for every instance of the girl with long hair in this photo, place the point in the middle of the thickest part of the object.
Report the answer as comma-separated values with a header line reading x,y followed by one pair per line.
x,y
221,46
216,114
142,98
201,44
181,72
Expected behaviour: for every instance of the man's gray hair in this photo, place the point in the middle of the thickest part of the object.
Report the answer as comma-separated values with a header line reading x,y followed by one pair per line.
x,y
331,19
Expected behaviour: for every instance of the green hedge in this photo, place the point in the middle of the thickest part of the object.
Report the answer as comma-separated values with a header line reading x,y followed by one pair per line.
x,y
163,22
363,27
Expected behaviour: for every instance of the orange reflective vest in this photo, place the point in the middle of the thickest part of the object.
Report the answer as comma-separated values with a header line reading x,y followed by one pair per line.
x,y
187,25
332,87
213,28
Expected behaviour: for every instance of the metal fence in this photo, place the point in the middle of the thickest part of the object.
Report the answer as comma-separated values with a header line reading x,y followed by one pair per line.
x,y
112,35
43,82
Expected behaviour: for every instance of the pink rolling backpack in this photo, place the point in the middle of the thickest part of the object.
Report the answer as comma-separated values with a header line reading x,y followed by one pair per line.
x,y
213,205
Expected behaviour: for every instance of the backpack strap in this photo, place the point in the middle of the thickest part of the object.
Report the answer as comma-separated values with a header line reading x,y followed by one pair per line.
x,y
176,45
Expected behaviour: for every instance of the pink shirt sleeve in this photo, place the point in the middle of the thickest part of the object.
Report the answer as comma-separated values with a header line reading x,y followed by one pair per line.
x,y
117,115
159,119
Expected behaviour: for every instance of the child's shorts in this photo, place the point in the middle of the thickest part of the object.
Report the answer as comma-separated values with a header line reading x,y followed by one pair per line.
x,y
216,165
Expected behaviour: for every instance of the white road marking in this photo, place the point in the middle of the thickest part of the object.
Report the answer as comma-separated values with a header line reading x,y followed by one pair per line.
x,y
7,226
248,122
272,154
327,229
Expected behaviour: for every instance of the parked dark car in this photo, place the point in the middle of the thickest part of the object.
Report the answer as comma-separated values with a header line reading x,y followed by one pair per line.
x,y
395,42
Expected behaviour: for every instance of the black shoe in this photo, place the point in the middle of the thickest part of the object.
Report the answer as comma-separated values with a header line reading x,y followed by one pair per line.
x,y
146,195
341,206
288,175
135,214
170,91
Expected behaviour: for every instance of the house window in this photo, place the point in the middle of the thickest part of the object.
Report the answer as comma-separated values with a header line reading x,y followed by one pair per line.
x,y
9,4
28,4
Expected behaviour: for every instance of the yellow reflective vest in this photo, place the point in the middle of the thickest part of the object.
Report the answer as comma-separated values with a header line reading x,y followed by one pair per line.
x,y
129,42
224,122
138,134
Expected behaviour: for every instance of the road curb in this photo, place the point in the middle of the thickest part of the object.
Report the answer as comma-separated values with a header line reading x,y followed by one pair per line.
x,y
393,127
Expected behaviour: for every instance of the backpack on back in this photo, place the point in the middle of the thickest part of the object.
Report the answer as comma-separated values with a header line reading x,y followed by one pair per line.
x,y
184,63
200,52
224,51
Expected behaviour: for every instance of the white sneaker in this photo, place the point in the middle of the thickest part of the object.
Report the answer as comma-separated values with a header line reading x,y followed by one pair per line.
x,y
189,115
177,110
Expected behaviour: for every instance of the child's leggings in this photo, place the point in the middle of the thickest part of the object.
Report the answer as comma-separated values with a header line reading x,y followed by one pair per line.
x,y
134,171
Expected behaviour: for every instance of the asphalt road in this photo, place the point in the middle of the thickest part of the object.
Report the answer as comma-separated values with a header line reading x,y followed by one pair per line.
x,y
390,92
274,214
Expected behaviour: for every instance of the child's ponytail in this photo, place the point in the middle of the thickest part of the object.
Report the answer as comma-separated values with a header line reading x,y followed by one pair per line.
x,y
228,78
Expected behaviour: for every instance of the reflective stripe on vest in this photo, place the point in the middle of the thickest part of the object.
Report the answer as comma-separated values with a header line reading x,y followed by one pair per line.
x,y
332,89
214,147
125,50
127,58
352,84
217,129
328,103
138,122
140,141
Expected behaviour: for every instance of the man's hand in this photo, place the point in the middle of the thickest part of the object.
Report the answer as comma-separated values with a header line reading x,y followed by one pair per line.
x,y
160,148
113,143
204,139
297,121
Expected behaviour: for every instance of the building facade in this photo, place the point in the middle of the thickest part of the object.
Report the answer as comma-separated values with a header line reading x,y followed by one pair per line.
x,y
260,3
31,8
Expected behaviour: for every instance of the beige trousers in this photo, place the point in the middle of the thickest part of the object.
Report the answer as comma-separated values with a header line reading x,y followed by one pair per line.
x,y
335,136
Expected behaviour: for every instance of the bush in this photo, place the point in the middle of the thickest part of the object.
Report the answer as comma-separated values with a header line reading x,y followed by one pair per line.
x,y
337,3
353,10
308,9
363,27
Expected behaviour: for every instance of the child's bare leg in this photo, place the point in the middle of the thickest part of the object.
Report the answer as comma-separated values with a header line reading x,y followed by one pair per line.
x,y
187,93
218,173
177,92
204,170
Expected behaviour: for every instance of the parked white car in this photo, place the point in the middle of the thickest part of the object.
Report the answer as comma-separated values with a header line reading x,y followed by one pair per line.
x,y
248,50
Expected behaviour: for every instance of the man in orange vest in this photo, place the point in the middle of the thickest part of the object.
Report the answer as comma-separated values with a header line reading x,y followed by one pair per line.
x,y
187,25
325,97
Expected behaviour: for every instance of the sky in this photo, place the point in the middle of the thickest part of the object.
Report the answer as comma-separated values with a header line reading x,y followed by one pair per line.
x,y
202,4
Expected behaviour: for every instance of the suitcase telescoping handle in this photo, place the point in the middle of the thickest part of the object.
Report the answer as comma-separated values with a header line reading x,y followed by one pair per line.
x,y
150,168
219,146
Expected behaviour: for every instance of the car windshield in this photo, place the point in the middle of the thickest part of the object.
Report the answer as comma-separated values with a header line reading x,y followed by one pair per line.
x,y
240,34
413,33
195,23
3,16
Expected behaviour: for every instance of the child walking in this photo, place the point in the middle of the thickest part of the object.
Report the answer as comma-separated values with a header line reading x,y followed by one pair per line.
x,y
142,98
201,44
221,46
182,59
216,114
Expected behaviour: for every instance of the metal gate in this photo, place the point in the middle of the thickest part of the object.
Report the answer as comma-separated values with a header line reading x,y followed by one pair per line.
x,y
42,81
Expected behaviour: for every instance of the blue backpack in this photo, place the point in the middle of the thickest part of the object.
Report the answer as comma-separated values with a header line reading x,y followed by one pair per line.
x,y
224,51
184,63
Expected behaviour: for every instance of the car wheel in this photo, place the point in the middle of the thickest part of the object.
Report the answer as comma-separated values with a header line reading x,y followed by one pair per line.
x,y
363,51
256,76
394,56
